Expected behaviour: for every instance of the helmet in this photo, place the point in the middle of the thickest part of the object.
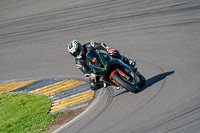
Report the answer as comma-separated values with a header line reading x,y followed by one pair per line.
x,y
75,48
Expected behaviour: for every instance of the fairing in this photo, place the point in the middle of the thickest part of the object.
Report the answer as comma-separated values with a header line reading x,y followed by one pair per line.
x,y
98,62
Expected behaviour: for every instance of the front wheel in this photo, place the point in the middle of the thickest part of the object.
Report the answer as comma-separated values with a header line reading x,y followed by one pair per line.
x,y
116,77
142,81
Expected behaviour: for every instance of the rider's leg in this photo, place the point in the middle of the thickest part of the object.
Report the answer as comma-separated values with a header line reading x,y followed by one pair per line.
x,y
95,84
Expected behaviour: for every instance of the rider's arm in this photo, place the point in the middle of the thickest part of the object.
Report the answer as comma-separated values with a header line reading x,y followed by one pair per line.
x,y
94,82
81,64
94,45
104,47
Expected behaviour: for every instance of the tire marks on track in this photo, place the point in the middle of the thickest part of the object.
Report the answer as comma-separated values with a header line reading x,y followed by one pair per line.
x,y
161,78
101,101
172,122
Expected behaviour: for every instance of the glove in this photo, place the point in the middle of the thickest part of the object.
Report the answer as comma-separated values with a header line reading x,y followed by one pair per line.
x,y
111,51
115,54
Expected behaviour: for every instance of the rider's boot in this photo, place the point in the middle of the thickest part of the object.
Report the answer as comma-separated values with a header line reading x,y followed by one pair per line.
x,y
129,62
132,63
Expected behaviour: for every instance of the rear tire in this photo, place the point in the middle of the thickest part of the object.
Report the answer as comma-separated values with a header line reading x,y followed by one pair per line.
x,y
125,84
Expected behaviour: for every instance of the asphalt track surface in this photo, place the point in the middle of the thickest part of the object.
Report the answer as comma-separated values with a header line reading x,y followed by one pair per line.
x,y
162,36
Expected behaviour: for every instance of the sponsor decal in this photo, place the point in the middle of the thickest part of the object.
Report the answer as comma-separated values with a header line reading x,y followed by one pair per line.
x,y
94,59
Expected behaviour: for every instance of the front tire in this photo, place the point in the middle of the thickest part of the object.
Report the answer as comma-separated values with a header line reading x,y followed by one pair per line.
x,y
142,80
125,84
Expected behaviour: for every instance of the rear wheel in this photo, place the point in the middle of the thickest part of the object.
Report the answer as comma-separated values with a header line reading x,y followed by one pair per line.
x,y
124,83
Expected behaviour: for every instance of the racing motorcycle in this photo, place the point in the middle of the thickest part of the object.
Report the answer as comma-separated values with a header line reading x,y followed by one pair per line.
x,y
115,72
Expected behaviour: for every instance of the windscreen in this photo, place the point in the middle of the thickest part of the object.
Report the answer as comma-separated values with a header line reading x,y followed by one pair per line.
x,y
94,59
97,61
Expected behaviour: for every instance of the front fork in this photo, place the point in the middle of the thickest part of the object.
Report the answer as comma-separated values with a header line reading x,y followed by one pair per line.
x,y
134,74
127,72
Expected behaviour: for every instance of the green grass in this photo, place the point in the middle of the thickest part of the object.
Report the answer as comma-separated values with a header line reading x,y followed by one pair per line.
x,y
24,113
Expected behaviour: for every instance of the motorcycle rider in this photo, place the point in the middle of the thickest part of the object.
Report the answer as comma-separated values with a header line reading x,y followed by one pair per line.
x,y
79,51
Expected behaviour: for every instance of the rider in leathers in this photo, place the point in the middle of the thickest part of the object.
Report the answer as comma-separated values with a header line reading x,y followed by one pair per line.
x,y
79,52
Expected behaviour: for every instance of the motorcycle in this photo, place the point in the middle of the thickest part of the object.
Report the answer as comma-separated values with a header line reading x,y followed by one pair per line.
x,y
115,72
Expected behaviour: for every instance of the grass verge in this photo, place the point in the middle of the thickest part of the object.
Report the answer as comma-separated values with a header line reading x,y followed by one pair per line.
x,y
25,112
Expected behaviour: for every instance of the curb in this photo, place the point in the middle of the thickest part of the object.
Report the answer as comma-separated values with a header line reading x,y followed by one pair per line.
x,y
65,93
